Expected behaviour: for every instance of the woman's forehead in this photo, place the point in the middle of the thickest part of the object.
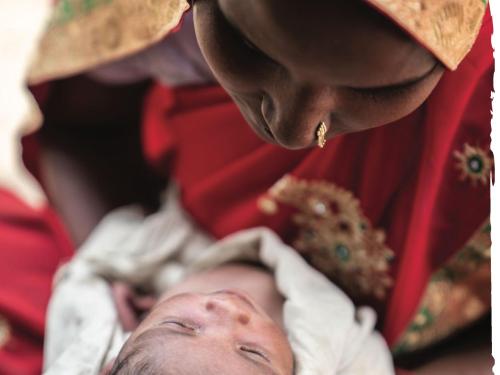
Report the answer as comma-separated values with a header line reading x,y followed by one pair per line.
x,y
314,37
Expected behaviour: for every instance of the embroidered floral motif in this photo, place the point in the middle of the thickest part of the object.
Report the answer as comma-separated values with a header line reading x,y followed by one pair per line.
x,y
457,295
474,163
4,332
85,33
66,10
334,235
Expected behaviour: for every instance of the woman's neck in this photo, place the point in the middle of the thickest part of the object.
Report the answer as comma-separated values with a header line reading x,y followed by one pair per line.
x,y
256,282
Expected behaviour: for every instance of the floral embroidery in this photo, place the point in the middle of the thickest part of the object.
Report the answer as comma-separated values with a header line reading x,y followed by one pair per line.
x,y
66,10
448,28
474,163
334,235
457,295
85,33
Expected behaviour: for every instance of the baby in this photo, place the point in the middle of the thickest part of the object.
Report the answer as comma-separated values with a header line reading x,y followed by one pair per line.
x,y
201,327
242,305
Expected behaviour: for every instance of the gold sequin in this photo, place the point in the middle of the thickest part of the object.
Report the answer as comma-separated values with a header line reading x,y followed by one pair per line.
x,y
267,205
334,235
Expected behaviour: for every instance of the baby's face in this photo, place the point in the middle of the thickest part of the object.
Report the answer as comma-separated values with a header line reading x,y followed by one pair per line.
x,y
222,333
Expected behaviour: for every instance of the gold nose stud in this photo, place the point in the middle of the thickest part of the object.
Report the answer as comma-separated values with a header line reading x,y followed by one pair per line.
x,y
321,134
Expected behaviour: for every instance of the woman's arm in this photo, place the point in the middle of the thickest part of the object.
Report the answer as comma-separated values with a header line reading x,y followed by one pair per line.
x,y
469,353
91,158
471,362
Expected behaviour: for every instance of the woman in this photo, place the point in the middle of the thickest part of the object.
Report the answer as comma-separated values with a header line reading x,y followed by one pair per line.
x,y
396,215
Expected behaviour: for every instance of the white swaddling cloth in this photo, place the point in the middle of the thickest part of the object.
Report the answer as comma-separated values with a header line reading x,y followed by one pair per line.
x,y
328,335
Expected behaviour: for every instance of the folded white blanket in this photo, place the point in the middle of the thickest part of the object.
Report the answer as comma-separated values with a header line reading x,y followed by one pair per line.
x,y
327,333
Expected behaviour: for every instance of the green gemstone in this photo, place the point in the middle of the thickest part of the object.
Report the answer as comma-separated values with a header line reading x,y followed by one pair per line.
x,y
475,164
487,228
67,9
309,235
88,4
342,252
426,319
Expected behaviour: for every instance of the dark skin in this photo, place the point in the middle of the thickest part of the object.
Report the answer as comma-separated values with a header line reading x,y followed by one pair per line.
x,y
353,69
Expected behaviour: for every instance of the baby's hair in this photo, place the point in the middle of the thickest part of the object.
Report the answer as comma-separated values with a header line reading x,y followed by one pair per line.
x,y
135,360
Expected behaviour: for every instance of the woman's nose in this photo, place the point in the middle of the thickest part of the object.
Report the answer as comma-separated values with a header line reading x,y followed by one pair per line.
x,y
293,115
226,310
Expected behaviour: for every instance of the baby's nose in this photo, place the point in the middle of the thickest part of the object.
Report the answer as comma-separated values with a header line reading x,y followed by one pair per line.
x,y
227,310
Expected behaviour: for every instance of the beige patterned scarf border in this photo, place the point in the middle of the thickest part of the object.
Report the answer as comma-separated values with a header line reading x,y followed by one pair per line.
x,y
86,33
448,28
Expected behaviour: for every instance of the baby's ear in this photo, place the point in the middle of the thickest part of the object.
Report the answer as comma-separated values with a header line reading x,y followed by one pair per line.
x,y
106,370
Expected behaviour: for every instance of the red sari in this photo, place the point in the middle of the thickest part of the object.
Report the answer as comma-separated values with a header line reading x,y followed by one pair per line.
x,y
396,215
33,245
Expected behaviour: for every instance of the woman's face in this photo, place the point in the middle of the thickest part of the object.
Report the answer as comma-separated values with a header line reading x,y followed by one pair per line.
x,y
291,64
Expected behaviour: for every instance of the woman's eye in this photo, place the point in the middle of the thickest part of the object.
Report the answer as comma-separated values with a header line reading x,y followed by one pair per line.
x,y
394,91
250,45
384,93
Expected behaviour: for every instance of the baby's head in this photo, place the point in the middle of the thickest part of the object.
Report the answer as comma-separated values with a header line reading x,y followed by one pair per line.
x,y
224,332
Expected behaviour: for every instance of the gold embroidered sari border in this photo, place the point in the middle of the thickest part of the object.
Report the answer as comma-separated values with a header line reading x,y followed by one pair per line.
x,y
86,33
447,28
457,295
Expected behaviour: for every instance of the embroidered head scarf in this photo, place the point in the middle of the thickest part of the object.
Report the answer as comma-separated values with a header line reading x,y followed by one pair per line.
x,y
83,34
446,28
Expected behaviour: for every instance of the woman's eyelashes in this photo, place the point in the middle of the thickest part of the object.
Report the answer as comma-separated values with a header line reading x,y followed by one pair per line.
x,y
250,45
393,91
385,93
